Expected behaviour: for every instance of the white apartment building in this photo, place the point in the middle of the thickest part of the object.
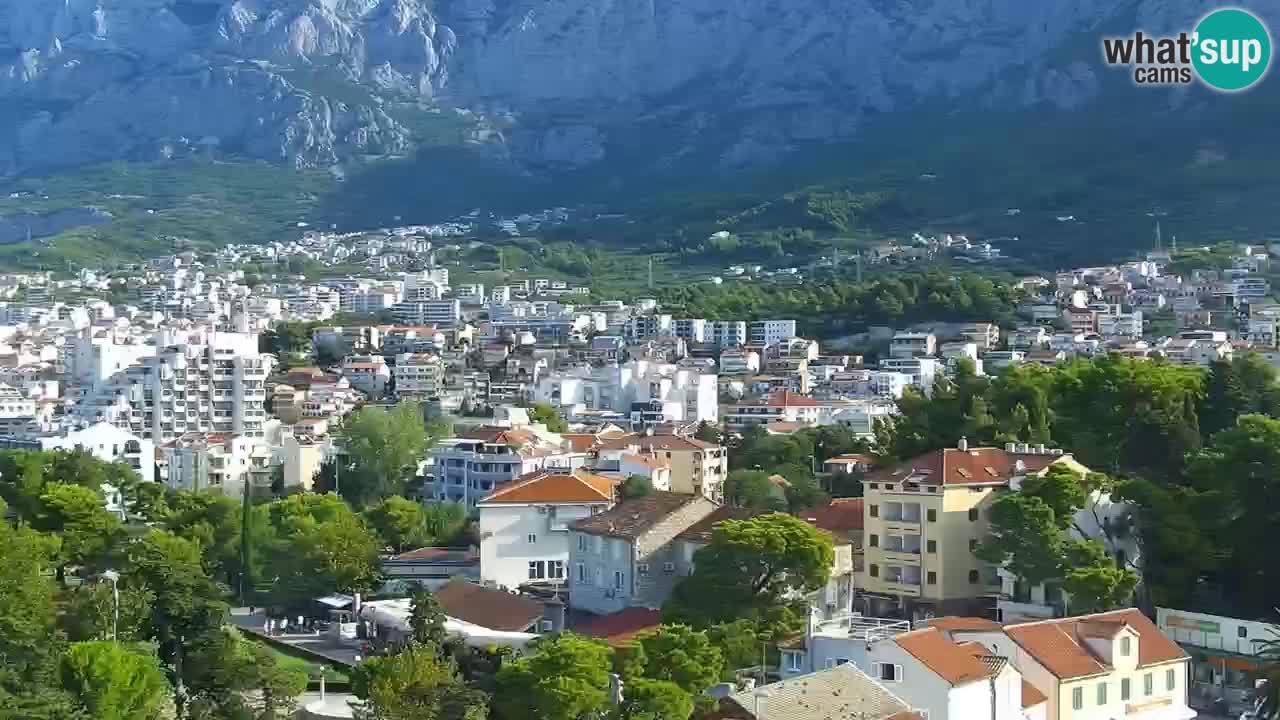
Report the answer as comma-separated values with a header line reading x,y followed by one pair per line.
x,y
442,313
524,526
17,412
770,332
922,370
691,330
1123,324
419,376
473,464
727,333
367,373
685,394
912,344
103,441
194,381
220,463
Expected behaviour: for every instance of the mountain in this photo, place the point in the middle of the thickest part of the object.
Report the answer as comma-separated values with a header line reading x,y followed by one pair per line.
x,y
311,83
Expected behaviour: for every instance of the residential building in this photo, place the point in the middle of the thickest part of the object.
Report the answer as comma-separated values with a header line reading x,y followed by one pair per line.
x,y
926,516
473,464
739,361
442,313
626,556
782,406
524,525
985,335
419,376
761,333
222,463
1226,656
842,691
912,344
727,333
367,373
103,440
696,467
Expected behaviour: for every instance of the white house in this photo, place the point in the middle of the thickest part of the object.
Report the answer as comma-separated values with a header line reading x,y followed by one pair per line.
x,y
524,526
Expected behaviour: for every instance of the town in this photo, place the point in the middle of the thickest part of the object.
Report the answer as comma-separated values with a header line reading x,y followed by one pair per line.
x,y
672,516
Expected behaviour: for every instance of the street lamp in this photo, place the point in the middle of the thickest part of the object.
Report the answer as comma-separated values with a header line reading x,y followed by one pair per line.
x,y
114,578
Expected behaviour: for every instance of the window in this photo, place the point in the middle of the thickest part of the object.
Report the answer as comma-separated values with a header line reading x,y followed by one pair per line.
x,y
1102,693
875,511
537,570
1126,646
1124,689
642,568
1170,679
973,577
932,515
874,540
582,573
582,543
793,661
555,569
884,672
874,486
973,514
618,577
668,567
1148,684
932,578
973,545
531,539
546,626
1242,631
599,581
931,546
875,570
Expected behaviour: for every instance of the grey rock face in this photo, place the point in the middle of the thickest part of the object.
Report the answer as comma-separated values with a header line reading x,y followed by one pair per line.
x,y
308,82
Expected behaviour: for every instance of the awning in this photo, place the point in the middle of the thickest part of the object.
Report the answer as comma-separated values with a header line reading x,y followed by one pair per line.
x,y
336,601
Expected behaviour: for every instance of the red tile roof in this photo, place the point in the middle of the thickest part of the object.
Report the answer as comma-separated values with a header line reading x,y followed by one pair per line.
x,y
660,442
622,626
973,624
582,442
1031,696
976,466
786,398
488,607
1059,645
841,516
955,664
499,436
543,486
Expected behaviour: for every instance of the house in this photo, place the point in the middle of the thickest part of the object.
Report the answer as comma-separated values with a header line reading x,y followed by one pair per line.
x,y
432,567
524,525
784,406
369,374
925,517
1097,667
906,344
848,464
696,467
626,556
842,691
476,462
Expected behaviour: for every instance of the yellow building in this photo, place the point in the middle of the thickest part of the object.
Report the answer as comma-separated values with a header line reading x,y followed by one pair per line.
x,y
923,520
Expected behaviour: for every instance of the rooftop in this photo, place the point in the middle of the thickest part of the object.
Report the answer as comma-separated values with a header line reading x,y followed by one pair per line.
x,y
1059,645
954,663
839,692
488,607
973,466
632,518
702,530
544,486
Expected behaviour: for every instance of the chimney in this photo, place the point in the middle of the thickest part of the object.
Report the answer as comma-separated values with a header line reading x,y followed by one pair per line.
x,y
963,445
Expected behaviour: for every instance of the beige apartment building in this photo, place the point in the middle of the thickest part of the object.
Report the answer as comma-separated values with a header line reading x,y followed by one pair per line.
x,y
923,520
697,467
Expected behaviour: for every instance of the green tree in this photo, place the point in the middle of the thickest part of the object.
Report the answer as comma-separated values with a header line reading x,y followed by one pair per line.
x,y
752,489
91,609
750,569
320,547
563,677
384,448
400,523
444,521
646,699
416,684
77,515
1092,580
707,432
26,599
681,655
426,620
636,486
544,413
113,681
1024,538
1243,385
213,521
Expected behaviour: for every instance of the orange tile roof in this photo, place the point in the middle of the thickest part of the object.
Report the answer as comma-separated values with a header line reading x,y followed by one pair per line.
x,y
841,516
952,623
499,436
952,466
1059,645
786,398
1031,696
551,487
955,664
649,461
659,442
582,442
622,626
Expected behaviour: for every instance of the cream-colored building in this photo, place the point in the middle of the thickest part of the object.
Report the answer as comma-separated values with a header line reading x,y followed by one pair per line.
x,y
923,520
696,467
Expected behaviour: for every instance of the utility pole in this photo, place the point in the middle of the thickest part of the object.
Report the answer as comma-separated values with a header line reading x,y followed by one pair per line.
x,y
650,272
857,262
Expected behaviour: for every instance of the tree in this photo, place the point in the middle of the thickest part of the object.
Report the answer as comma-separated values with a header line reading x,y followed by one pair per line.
x,y
214,522
384,448
230,677
320,547
804,492
415,684
90,613
707,432
1244,385
1092,580
563,677
399,523
426,620
444,521
646,699
115,682
750,569
1024,538
636,486
1061,489
26,599
681,655
548,415
76,514
752,489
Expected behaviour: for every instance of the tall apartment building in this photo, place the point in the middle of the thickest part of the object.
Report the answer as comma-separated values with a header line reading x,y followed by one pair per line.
x,y
419,376
196,381
443,313
925,517
691,330
770,332
473,464
727,333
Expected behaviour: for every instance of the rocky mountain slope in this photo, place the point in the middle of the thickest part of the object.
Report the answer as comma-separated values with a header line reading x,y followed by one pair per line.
x,y
313,82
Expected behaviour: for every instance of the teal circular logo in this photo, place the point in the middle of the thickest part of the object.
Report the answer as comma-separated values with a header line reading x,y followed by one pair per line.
x,y
1232,49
